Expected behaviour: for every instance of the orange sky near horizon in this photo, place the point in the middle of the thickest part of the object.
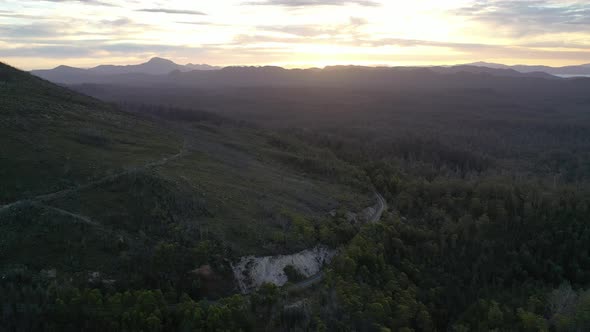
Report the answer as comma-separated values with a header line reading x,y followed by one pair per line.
x,y
294,33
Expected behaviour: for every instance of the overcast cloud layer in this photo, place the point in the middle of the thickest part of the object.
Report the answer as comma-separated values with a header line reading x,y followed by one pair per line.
x,y
294,33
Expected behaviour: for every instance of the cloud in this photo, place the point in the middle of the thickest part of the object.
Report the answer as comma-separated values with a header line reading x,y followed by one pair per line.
x,y
555,30
89,50
317,30
309,3
362,42
240,40
546,50
90,2
299,30
171,11
203,23
556,44
521,18
540,51
118,22
138,48
477,47
358,21
416,42
8,14
53,51
36,30
63,31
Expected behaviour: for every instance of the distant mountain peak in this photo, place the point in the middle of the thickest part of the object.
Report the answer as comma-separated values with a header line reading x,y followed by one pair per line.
x,y
158,60
154,66
64,67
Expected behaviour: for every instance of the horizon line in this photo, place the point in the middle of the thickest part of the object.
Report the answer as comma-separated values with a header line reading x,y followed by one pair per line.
x,y
479,63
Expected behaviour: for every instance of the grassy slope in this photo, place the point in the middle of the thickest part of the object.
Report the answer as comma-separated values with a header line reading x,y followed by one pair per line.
x,y
53,138
237,186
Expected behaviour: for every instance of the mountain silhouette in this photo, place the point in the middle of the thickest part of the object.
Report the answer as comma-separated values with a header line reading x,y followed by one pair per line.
x,y
155,66
581,70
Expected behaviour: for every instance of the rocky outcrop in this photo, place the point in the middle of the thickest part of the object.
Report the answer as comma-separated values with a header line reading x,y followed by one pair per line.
x,y
251,272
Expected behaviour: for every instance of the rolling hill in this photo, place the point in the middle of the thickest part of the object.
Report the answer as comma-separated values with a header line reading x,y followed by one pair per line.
x,y
100,195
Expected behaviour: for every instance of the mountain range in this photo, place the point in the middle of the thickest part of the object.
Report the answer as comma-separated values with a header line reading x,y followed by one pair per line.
x,y
155,66
152,206
578,70
104,74
164,70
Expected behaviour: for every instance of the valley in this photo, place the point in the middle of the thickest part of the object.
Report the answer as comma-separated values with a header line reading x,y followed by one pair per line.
x,y
294,166
347,198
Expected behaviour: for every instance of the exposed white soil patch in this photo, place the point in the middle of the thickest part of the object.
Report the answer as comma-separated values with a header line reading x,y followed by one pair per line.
x,y
251,272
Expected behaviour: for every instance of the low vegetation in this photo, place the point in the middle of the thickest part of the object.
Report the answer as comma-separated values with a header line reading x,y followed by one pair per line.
x,y
487,227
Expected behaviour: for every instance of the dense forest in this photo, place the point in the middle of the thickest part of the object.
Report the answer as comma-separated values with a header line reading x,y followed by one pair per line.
x,y
487,227
459,250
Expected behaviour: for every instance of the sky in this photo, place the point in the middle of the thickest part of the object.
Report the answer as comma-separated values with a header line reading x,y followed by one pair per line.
x,y
294,33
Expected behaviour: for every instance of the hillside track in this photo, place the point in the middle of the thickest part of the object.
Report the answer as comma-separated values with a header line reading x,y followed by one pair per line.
x,y
43,198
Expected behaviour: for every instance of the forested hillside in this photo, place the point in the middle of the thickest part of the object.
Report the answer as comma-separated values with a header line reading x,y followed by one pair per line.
x,y
488,195
97,201
487,188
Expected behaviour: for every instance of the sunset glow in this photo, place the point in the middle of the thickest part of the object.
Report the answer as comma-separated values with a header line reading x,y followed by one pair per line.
x,y
298,33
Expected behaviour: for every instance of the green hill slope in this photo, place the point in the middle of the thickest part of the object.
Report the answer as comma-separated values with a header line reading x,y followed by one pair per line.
x,y
103,196
54,139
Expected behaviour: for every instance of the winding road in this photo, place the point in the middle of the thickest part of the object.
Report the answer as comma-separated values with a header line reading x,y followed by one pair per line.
x,y
381,206
318,277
